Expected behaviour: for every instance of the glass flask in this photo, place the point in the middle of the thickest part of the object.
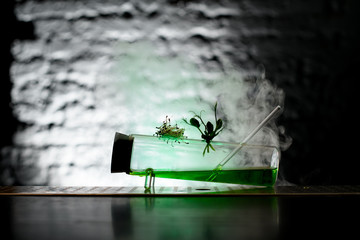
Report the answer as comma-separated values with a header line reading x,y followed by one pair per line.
x,y
152,156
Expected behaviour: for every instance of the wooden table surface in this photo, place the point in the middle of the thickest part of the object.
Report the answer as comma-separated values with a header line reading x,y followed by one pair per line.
x,y
179,213
226,190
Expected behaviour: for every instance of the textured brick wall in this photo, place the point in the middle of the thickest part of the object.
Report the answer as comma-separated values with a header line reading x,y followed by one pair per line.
x,y
64,102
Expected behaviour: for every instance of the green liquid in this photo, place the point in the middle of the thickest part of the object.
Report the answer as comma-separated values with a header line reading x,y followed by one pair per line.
x,y
256,176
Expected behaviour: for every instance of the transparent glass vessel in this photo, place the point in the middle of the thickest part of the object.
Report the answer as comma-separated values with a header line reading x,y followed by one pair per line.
x,y
252,165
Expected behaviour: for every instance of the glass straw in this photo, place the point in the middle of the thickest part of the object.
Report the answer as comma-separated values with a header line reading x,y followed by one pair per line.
x,y
238,148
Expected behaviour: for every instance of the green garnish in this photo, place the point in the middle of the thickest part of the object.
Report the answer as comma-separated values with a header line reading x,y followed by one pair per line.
x,y
209,133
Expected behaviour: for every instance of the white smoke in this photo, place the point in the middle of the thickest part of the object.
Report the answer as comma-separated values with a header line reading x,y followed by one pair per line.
x,y
150,87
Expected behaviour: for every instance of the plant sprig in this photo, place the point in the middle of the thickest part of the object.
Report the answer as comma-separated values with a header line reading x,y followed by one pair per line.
x,y
209,132
170,133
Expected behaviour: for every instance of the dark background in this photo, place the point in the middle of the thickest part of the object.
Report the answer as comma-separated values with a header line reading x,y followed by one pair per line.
x,y
311,53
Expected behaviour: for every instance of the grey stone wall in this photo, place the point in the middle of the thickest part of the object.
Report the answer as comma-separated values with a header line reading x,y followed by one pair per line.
x,y
66,111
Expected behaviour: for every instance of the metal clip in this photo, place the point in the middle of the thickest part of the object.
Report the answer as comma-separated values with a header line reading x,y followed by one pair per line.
x,y
150,179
